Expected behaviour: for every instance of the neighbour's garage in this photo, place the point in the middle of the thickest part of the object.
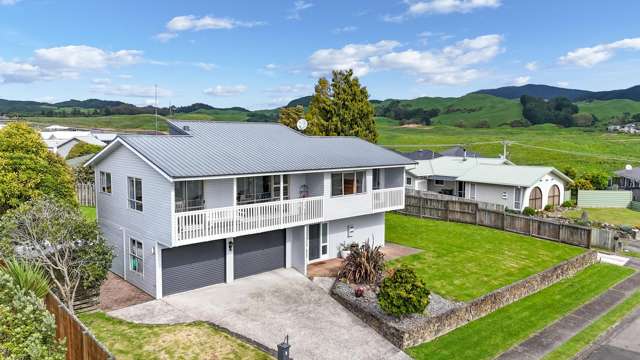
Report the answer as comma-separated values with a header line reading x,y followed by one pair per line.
x,y
254,254
193,266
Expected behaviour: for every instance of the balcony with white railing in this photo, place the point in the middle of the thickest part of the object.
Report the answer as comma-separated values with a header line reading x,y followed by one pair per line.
x,y
218,223
388,199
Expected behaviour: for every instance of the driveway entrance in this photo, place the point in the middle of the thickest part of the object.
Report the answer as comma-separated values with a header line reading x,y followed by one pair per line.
x,y
268,306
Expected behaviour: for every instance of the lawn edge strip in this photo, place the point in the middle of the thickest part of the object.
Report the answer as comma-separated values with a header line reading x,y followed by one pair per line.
x,y
586,339
425,329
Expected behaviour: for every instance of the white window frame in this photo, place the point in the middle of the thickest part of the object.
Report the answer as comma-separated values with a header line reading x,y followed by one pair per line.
x,y
324,240
472,191
106,187
355,183
132,203
136,255
517,198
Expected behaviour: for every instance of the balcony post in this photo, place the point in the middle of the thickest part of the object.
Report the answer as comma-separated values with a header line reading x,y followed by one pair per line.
x,y
281,207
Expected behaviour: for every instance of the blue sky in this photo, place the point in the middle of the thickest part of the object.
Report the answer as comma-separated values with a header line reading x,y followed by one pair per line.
x,y
261,54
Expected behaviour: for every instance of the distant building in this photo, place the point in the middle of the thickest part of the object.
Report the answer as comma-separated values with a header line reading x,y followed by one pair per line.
x,y
630,128
422,154
628,179
60,140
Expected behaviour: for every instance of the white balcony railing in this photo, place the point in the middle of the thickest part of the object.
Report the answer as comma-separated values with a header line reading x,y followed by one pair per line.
x,y
388,199
218,223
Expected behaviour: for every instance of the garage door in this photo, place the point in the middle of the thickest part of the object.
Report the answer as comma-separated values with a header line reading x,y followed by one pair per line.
x,y
193,266
258,253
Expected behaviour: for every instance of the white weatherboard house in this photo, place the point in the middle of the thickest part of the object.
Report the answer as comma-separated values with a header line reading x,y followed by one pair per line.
x,y
216,201
492,180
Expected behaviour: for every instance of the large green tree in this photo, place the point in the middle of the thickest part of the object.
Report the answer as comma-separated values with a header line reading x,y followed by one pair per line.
x,y
341,108
289,116
28,170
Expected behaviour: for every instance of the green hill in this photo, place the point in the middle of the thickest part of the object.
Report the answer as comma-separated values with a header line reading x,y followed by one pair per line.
x,y
605,110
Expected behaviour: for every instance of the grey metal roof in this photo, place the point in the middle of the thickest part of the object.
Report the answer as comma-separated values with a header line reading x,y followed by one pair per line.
x,y
459,151
512,175
235,148
633,173
422,154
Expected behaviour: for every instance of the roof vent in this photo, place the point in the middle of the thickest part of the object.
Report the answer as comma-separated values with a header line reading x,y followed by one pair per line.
x,y
628,167
186,128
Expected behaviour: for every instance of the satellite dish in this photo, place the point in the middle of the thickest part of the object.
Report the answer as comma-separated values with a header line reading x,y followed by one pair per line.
x,y
628,167
302,124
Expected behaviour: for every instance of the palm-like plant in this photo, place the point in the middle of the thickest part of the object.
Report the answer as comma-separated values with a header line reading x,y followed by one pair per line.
x,y
364,265
27,276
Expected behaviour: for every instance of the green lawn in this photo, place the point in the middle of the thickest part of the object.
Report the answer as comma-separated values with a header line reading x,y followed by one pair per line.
x,y
198,340
463,262
495,333
608,215
588,335
583,149
88,212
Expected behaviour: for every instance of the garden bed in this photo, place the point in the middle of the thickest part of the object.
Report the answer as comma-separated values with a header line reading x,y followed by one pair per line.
x,y
442,315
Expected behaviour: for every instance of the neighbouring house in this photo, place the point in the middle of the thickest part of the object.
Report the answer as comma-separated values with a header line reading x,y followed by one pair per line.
x,y
422,154
60,140
215,201
492,180
630,128
628,179
459,151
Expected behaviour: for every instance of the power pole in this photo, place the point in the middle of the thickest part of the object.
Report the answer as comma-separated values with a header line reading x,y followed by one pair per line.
x,y
505,143
156,106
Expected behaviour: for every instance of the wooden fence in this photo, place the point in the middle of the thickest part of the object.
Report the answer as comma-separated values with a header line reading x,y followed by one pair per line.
x,y
471,213
603,238
437,196
86,194
81,344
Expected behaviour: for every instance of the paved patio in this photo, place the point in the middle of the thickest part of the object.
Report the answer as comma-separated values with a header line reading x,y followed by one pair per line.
x,y
116,293
331,267
268,306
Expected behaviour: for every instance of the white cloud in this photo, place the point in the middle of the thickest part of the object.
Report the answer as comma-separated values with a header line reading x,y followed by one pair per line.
x,y
417,8
562,84
16,72
165,36
225,90
298,7
125,76
450,65
206,66
101,81
590,56
290,89
351,56
271,67
128,90
8,2
345,29
81,57
531,66
192,22
521,80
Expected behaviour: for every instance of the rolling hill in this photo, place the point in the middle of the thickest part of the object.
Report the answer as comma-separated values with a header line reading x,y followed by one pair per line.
x,y
548,92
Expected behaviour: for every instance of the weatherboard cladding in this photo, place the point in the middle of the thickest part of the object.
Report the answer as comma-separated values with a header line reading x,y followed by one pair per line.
x,y
228,148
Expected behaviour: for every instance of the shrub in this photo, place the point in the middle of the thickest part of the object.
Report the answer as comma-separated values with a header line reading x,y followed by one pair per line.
x,y
569,204
528,211
82,148
27,276
364,265
549,207
403,293
27,329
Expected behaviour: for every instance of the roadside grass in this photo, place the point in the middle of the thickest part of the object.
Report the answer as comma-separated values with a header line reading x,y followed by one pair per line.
x,y
463,262
88,212
590,334
495,333
126,340
617,216
583,149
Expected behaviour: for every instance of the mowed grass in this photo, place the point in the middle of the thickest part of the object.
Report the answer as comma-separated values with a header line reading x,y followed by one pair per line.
x,y
618,216
495,333
88,212
588,335
463,262
114,122
198,340
583,149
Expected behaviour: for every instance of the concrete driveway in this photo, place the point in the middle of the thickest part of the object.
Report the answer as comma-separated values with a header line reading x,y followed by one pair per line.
x,y
621,343
268,306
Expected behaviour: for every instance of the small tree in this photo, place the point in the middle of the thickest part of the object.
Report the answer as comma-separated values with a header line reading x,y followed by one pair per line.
x,y
289,116
57,237
403,293
83,148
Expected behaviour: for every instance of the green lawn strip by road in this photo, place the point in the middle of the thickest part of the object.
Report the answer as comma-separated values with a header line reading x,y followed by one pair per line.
x,y
199,340
463,262
618,216
88,212
495,333
589,334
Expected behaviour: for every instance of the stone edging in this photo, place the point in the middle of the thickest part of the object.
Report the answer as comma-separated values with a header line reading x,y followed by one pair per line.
x,y
425,328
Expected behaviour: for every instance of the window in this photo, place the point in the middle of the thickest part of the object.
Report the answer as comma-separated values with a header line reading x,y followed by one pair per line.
x,y
348,183
136,255
517,196
535,198
472,191
376,179
135,193
409,180
439,182
257,189
554,196
105,182
324,241
189,195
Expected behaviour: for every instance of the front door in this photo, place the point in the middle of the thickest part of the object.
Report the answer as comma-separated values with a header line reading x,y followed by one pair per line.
x,y
318,241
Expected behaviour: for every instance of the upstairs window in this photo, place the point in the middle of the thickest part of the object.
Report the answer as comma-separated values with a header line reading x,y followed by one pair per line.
x,y
135,193
409,180
348,183
376,179
105,182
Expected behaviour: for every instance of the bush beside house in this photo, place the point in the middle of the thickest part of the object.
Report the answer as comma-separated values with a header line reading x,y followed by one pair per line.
x,y
403,293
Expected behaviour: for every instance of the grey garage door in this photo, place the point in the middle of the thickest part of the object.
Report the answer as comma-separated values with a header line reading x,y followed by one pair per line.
x,y
258,253
193,266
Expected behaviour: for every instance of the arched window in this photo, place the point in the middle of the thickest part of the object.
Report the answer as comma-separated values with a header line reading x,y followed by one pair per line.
x,y
554,196
535,198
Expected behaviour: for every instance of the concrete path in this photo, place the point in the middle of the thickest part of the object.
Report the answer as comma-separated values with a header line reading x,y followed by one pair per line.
x,y
562,330
268,306
621,343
